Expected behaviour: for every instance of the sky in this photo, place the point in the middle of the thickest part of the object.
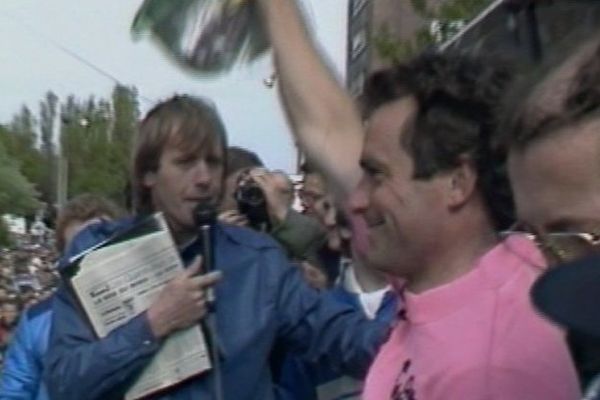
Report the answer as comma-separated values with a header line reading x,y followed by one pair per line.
x,y
37,36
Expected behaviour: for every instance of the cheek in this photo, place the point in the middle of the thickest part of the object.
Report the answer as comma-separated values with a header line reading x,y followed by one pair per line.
x,y
359,199
386,198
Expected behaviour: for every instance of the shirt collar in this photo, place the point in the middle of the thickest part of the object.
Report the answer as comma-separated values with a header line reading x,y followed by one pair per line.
x,y
495,268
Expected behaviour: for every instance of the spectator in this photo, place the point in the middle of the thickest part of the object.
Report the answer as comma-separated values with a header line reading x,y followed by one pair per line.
x,y
300,235
8,319
80,212
432,196
552,134
239,161
22,376
313,189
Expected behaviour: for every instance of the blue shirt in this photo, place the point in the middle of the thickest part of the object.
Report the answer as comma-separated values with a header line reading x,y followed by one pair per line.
x,y
260,299
301,380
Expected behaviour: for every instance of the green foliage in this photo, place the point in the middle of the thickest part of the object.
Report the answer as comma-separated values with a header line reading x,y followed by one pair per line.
x,y
389,48
17,194
421,8
461,9
95,138
19,140
393,50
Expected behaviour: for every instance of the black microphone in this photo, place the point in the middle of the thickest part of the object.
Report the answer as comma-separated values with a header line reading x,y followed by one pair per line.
x,y
205,217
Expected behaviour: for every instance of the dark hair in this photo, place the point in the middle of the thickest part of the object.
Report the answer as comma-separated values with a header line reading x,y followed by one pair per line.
x,y
560,92
185,121
82,208
457,97
240,159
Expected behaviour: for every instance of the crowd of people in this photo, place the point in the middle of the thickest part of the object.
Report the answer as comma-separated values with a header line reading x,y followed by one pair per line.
x,y
27,276
429,210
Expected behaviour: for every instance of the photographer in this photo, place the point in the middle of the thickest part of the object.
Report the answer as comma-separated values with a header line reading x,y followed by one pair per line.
x,y
239,161
262,200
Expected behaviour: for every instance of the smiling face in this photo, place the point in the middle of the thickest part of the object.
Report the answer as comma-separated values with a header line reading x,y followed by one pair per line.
x,y
403,214
184,179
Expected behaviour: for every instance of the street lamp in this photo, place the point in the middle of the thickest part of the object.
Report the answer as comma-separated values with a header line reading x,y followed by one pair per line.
x,y
62,181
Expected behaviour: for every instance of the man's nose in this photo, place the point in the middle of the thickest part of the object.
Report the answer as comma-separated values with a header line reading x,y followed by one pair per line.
x,y
201,173
358,201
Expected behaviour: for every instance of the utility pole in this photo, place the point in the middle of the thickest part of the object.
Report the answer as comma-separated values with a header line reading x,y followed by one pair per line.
x,y
61,164
62,181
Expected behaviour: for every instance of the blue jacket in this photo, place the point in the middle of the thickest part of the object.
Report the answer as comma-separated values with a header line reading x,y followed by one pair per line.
x,y
299,380
22,374
261,299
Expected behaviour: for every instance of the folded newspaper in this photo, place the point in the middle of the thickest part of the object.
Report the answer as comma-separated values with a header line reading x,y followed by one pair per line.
x,y
118,279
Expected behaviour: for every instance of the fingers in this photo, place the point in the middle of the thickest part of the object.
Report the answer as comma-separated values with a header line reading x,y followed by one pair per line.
x,y
233,217
195,267
258,172
264,180
207,280
228,214
240,221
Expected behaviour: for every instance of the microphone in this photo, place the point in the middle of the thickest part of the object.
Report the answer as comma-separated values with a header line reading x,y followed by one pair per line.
x,y
205,217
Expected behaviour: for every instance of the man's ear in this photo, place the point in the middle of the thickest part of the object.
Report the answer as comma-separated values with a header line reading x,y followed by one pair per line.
x,y
149,179
462,183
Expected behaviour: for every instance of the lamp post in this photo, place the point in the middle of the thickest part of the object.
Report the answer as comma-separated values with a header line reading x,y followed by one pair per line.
x,y
62,181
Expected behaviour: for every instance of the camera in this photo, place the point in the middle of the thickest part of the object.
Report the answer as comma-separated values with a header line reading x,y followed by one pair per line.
x,y
252,203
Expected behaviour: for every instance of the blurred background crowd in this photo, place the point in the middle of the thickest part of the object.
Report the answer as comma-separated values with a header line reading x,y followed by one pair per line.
x,y
27,276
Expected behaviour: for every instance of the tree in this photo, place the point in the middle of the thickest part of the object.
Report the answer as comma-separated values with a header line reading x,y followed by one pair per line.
x,y
98,150
442,23
17,194
96,136
19,140
126,116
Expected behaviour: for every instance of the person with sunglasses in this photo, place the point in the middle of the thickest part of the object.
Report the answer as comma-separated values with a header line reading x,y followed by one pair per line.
x,y
552,134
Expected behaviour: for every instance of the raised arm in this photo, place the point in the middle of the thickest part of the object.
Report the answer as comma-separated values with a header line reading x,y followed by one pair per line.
x,y
322,115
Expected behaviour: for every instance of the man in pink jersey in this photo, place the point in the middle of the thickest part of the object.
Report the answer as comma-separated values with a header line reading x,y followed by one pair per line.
x,y
425,178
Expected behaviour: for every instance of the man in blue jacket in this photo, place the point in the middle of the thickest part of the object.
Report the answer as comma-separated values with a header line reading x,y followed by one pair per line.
x,y
178,162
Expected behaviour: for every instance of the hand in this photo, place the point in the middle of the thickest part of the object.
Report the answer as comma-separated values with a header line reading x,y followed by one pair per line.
x,y
233,217
182,302
277,191
314,276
